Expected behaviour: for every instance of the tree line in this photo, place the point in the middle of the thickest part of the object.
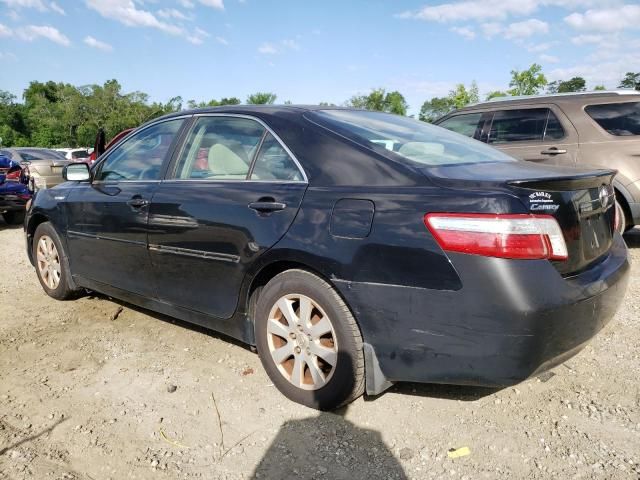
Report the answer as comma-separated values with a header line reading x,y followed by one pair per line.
x,y
61,115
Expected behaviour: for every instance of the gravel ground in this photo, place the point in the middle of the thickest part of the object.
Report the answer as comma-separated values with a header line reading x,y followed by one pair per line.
x,y
91,389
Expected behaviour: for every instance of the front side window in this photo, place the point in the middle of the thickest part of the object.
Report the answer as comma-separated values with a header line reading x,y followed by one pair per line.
x,y
220,148
140,157
274,163
620,119
415,141
466,124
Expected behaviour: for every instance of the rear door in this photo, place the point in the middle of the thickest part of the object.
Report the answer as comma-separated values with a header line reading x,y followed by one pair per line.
x,y
233,193
540,133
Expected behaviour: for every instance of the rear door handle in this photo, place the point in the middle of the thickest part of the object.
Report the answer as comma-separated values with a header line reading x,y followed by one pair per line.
x,y
553,151
261,206
138,202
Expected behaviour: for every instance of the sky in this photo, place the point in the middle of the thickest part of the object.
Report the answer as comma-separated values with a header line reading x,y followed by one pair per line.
x,y
308,52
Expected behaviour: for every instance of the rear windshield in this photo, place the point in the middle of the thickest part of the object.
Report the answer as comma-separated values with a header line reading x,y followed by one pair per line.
x,y
412,139
620,119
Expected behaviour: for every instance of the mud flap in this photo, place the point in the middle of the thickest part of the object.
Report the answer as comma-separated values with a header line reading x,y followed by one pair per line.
x,y
375,381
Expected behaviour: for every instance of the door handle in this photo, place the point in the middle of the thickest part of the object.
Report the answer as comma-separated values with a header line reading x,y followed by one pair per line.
x,y
138,202
263,206
553,151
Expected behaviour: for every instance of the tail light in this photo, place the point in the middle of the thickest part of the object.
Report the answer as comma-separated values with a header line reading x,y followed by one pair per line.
x,y
499,235
15,175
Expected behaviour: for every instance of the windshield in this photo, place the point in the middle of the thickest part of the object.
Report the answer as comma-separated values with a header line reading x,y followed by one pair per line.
x,y
412,139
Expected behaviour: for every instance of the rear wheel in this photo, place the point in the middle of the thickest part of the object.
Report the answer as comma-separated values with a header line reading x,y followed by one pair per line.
x,y
13,218
308,341
51,263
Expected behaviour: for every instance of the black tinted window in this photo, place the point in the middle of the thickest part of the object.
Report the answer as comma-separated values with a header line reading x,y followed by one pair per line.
x,y
619,119
141,156
518,125
463,124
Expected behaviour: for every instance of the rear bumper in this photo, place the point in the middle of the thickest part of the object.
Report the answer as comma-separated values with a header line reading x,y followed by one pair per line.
x,y
510,320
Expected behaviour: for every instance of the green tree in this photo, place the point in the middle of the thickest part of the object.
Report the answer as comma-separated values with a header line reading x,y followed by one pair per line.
x,y
630,80
261,98
576,84
381,101
214,103
495,94
527,82
599,87
461,97
435,108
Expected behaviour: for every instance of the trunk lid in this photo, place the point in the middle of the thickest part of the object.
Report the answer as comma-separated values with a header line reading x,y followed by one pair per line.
x,y
582,202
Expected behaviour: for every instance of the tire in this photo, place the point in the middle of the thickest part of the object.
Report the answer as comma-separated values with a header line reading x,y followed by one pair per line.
x,y
52,265
330,335
13,218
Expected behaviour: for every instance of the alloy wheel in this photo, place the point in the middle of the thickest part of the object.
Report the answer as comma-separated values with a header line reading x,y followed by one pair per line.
x,y
48,261
302,342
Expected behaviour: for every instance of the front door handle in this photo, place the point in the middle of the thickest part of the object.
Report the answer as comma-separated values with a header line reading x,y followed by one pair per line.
x,y
267,206
138,202
553,151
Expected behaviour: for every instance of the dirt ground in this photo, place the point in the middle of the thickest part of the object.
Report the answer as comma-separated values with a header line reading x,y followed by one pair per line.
x,y
87,393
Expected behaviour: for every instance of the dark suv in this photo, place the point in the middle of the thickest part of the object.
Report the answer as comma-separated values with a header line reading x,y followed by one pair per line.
x,y
596,129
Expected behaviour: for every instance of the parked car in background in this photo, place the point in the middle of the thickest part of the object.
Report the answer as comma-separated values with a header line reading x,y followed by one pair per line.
x,y
96,152
14,190
353,248
75,154
592,129
45,165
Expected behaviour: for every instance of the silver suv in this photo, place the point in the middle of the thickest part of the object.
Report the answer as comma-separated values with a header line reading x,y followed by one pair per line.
x,y
599,129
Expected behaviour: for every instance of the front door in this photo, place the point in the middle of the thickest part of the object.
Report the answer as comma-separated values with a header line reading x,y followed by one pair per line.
x,y
234,192
107,232
542,134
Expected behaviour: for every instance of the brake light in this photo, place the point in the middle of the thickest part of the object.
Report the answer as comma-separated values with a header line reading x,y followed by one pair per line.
x,y
15,175
498,235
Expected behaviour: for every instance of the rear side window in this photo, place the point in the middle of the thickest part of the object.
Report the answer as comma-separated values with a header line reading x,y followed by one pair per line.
x,y
274,163
525,125
466,125
620,119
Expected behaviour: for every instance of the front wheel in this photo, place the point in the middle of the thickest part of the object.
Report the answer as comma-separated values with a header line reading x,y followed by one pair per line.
x,y
308,341
13,218
51,263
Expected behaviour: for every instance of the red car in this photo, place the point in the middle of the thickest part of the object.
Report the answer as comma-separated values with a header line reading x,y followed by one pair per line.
x,y
99,148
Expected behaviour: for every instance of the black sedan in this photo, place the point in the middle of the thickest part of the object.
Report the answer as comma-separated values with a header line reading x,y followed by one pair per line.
x,y
354,249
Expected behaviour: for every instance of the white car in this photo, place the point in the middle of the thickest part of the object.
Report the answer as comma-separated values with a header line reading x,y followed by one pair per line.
x,y
76,154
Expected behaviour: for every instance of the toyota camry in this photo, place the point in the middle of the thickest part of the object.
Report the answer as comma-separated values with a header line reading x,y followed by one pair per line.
x,y
352,249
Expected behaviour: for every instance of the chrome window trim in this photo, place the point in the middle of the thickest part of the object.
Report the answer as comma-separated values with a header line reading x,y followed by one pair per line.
x,y
305,178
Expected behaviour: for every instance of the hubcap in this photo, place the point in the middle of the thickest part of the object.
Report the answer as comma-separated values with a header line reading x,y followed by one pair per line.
x,y
302,342
48,262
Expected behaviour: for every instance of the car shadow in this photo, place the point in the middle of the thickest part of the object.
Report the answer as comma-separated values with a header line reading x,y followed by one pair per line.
x,y
172,320
327,445
463,393
5,226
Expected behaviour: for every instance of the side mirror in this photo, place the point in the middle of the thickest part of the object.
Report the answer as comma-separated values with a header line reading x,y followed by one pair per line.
x,y
76,172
